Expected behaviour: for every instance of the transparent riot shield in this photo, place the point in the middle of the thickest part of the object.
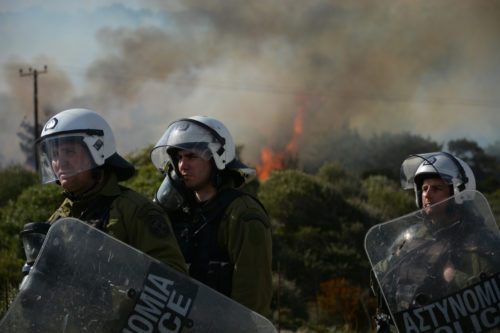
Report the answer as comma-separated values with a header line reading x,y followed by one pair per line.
x,y
86,281
438,268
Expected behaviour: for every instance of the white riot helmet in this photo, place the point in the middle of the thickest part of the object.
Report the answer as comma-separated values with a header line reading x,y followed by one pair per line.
x,y
452,170
204,136
89,130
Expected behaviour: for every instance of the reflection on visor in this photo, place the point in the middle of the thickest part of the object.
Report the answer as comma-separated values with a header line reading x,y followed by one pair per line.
x,y
161,156
200,149
184,135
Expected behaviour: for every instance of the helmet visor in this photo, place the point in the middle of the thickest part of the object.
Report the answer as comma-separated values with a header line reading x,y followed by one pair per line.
x,y
61,157
184,135
439,164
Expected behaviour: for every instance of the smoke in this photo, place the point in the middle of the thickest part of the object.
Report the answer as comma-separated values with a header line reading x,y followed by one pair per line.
x,y
53,90
389,66
426,67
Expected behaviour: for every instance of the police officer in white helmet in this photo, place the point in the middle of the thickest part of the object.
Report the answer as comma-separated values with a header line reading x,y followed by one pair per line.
x,y
442,253
434,177
224,233
77,150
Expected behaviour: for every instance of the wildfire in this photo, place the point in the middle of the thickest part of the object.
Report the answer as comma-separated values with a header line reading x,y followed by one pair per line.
x,y
271,160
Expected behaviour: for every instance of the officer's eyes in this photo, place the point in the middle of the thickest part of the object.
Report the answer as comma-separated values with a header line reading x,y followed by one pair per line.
x,y
63,152
433,188
187,156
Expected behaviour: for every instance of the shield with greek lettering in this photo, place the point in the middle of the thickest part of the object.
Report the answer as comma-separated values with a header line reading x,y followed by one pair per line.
x,y
438,268
86,281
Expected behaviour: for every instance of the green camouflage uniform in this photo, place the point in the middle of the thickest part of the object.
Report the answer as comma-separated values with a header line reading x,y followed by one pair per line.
x,y
133,219
245,233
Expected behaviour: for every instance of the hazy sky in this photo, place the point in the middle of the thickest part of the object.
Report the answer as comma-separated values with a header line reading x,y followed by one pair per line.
x,y
428,67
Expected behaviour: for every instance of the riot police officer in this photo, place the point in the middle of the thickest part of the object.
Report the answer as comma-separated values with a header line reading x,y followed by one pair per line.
x,y
224,233
77,150
441,254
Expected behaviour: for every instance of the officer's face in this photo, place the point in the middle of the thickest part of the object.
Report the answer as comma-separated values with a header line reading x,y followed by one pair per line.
x,y
72,165
434,190
195,171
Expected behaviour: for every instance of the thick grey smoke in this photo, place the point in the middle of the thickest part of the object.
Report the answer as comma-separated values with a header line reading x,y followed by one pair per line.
x,y
426,67
418,66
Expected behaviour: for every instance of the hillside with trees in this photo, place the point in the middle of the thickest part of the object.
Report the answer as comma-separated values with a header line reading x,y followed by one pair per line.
x,y
320,212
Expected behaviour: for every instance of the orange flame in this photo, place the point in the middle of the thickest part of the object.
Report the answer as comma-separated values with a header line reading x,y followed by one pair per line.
x,y
297,131
270,162
275,161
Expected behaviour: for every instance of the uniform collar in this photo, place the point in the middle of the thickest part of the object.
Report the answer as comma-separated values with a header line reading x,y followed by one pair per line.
x,y
108,187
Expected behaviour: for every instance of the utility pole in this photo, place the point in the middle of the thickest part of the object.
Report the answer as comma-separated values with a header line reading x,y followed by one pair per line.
x,y
34,73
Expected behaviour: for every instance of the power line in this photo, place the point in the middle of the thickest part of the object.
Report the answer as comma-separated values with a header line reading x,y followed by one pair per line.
x,y
34,73
289,89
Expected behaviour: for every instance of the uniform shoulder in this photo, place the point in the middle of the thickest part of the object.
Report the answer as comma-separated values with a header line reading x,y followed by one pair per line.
x,y
248,201
131,198
132,195
248,208
137,207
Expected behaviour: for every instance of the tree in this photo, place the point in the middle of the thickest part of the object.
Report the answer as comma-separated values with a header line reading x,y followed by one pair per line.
x,y
387,197
486,167
291,311
26,135
493,149
342,301
35,204
27,143
494,202
345,182
387,151
318,235
380,154
13,179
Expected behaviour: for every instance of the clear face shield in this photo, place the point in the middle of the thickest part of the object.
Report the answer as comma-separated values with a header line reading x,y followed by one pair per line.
x,y
61,157
184,135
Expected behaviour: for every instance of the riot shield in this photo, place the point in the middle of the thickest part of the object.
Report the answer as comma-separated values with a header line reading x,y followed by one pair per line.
x,y
86,281
438,268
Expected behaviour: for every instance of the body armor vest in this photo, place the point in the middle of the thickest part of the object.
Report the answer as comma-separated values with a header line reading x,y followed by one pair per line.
x,y
196,232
